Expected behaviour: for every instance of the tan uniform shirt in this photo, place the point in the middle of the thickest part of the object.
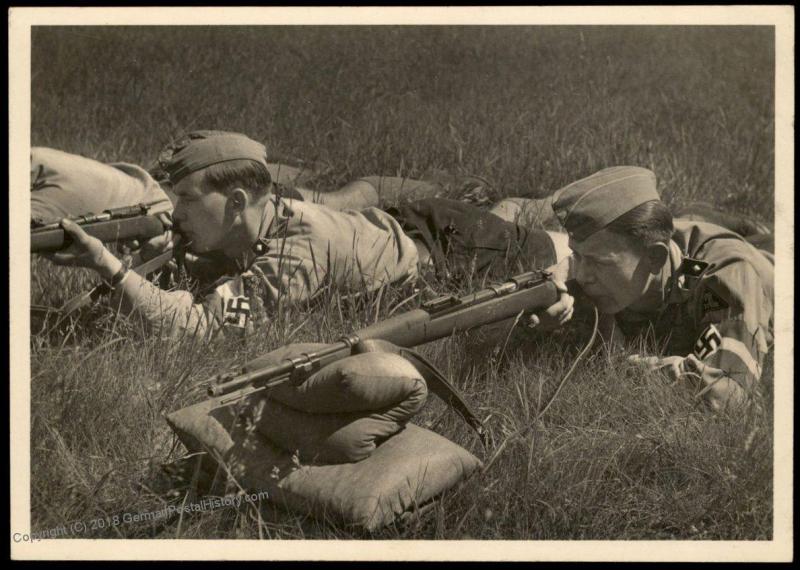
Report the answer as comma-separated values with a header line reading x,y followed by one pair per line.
x,y
64,184
306,249
718,313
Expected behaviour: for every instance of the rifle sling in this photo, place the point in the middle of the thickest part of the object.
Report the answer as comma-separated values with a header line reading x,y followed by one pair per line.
x,y
439,385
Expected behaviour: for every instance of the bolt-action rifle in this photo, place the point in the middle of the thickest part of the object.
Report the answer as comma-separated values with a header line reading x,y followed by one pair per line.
x,y
125,223
436,319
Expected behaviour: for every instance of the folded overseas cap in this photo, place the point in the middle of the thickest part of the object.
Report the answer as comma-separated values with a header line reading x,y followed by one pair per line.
x,y
201,149
590,204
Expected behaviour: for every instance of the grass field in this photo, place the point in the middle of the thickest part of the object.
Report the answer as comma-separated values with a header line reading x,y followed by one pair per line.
x,y
619,455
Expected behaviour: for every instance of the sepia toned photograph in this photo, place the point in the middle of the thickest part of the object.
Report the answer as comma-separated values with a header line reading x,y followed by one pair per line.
x,y
402,280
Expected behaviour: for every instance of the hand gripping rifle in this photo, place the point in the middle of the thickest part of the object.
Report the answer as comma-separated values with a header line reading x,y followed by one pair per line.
x,y
438,318
125,223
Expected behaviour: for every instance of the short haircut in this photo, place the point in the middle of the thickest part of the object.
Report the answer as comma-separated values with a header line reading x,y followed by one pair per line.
x,y
246,174
646,224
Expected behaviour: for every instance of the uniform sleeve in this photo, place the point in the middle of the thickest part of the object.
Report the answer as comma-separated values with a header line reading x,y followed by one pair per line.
x,y
735,313
64,184
177,314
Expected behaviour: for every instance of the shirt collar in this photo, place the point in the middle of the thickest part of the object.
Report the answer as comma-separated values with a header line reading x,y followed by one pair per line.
x,y
676,291
271,218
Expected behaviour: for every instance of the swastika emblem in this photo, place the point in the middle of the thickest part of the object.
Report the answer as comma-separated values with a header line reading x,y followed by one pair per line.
x,y
708,342
237,311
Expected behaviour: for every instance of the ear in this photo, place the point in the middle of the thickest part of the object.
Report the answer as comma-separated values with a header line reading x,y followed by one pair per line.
x,y
656,256
238,199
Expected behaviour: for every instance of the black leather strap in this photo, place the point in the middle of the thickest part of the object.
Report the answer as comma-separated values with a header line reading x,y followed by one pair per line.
x,y
436,381
439,385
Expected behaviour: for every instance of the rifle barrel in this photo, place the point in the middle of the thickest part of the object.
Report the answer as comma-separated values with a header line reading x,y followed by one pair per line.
x,y
523,293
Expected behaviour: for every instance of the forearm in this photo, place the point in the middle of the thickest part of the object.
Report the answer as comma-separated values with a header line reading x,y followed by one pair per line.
x,y
718,387
172,314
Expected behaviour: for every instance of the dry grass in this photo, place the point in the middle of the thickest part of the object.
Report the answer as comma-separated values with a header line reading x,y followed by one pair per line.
x,y
618,455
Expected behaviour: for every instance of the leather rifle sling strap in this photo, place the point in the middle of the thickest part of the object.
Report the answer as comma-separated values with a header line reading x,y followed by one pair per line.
x,y
436,381
439,385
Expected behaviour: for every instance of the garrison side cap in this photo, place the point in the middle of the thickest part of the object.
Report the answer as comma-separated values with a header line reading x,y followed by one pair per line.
x,y
590,204
200,149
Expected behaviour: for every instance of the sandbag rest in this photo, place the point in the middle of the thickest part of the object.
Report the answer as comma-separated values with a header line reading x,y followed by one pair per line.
x,y
339,445
340,413
405,471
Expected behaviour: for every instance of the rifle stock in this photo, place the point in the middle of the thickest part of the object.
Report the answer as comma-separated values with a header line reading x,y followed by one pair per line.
x,y
127,223
436,319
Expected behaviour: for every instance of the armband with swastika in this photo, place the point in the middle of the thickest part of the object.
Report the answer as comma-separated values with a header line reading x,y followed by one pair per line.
x,y
708,342
237,311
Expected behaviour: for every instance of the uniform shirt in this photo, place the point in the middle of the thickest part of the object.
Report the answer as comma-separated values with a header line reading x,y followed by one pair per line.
x,y
64,184
305,249
718,310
